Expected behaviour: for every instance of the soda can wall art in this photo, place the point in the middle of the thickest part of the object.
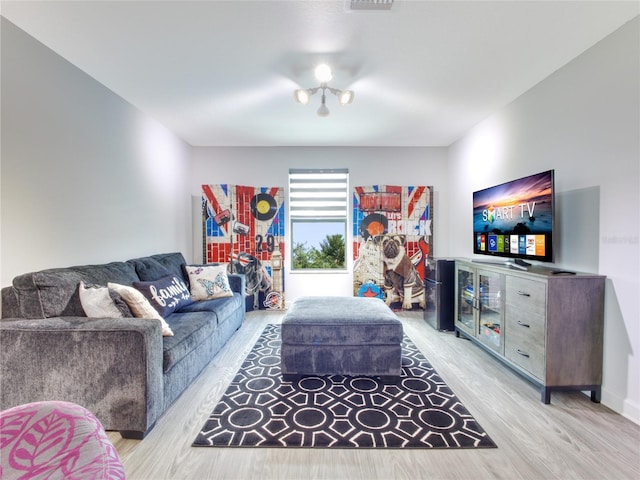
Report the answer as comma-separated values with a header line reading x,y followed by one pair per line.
x,y
392,238
244,227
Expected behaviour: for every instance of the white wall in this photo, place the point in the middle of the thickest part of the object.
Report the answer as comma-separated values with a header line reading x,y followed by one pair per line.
x,y
86,177
584,122
367,166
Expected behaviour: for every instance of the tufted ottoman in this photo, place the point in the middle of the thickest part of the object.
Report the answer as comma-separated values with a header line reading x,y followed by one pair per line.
x,y
341,336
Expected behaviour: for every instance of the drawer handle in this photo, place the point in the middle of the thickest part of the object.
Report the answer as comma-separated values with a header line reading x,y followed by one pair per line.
x,y
523,294
523,324
524,354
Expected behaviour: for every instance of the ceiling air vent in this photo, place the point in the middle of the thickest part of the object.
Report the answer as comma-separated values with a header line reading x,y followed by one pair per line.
x,y
371,4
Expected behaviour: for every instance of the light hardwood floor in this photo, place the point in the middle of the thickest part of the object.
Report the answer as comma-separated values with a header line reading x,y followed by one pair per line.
x,y
572,438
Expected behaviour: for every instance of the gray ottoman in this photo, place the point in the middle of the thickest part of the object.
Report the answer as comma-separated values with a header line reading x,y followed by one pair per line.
x,y
341,336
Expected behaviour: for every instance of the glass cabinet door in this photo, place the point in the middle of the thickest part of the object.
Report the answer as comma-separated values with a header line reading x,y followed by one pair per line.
x,y
490,306
465,303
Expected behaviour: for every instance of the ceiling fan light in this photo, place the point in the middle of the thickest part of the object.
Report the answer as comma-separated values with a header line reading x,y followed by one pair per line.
x,y
302,96
345,97
323,73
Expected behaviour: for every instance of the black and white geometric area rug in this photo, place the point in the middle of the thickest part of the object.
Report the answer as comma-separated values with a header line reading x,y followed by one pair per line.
x,y
259,409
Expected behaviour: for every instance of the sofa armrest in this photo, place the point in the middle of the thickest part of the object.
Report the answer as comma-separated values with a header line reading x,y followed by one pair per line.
x,y
237,282
111,366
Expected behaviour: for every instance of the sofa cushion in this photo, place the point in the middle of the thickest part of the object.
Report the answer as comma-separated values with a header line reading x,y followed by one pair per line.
x,y
190,329
194,324
54,292
10,304
160,265
166,294
222,307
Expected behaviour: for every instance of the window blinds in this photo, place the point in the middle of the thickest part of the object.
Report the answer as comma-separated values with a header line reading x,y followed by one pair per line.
x,y
318,194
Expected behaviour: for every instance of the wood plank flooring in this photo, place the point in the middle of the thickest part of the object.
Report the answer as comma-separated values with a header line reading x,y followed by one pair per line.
x,y
572,438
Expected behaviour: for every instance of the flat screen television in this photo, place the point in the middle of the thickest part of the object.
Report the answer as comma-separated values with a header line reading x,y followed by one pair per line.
x,y
515,219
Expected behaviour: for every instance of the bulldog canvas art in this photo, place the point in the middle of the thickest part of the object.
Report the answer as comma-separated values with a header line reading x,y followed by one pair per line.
x,y
392,238
401,280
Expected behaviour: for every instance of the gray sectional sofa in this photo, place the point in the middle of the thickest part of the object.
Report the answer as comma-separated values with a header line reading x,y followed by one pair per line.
x,y
121,369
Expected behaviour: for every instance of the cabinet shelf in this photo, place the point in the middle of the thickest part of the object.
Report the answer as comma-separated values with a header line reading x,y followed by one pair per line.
x,y
548,328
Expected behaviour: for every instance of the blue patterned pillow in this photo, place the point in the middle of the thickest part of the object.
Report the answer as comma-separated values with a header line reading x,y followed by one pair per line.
x,y
166,294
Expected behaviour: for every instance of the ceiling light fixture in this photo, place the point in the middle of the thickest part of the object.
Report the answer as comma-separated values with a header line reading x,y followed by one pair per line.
x,y
323,75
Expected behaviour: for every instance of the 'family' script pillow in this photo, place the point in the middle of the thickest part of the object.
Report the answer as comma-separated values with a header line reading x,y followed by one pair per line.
x,y
208,282
166,294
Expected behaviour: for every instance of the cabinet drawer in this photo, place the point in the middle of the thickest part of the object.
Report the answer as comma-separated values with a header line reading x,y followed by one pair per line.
x,y
525,341
526,296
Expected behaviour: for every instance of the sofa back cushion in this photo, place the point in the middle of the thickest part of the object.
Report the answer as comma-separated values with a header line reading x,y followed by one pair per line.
x,y
10,304
161,265
54,292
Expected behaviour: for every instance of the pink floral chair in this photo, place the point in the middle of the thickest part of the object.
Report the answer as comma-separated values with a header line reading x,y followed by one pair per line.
x,y
61,440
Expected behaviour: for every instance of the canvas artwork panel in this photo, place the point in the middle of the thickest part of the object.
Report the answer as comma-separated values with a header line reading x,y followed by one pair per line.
x,y
244,228
392,238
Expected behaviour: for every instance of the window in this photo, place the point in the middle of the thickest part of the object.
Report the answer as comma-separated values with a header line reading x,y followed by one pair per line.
x,y
318,205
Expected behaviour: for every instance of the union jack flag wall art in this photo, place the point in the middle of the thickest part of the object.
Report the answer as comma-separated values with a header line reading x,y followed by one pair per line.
x,y
244,227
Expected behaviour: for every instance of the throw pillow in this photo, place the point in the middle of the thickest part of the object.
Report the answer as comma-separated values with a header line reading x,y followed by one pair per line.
x,y
140,306
208,281
120,303
96,302
166,294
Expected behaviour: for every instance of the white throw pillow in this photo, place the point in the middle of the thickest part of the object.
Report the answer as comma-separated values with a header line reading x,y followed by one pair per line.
x,y
208,282
140,306
97,302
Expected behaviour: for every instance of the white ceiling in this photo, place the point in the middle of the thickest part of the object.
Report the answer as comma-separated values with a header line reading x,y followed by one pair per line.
x,y
222,73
